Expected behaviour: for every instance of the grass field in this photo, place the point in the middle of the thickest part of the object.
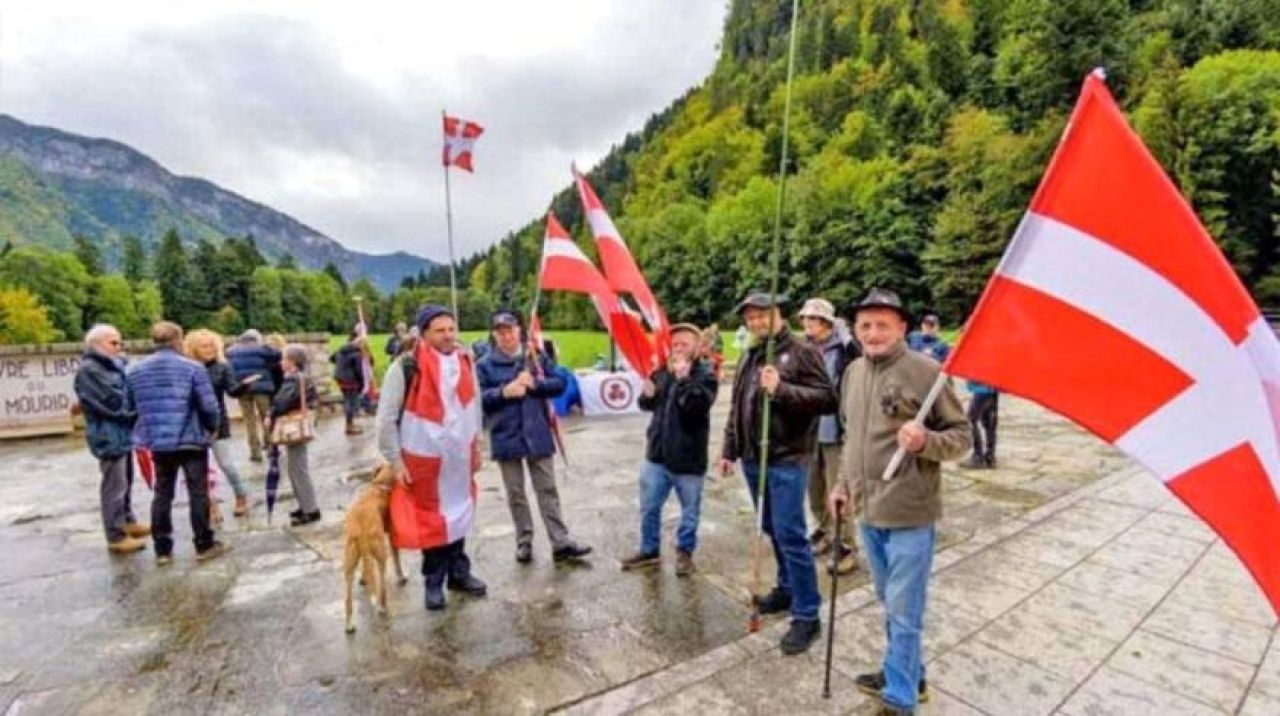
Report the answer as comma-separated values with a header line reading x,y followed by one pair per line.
x,y
578,349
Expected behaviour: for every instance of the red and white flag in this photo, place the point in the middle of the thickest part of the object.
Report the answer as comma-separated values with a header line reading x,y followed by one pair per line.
x,y
620,267
566,268
1114,307
459,138
366,361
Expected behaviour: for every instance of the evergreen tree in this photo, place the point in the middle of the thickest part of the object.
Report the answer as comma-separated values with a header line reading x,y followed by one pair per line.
x,y
133,261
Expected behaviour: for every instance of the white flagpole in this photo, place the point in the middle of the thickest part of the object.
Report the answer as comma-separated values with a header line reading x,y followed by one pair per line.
x,y
448,214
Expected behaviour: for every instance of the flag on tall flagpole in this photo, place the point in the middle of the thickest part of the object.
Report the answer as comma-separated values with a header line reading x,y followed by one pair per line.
x,y
460,138
1114,307
566,268
620,267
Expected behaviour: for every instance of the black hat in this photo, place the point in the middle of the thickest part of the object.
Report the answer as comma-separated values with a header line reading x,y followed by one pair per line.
x,y
883,298
503,317
761,299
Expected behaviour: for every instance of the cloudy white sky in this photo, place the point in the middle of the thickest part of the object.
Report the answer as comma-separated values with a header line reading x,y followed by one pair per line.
x,y
331,111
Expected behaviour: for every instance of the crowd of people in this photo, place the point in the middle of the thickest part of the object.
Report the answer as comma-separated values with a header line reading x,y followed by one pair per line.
x,y
836,404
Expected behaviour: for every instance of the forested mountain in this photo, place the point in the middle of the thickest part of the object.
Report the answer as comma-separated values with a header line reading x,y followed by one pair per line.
x,y
55,186
919,131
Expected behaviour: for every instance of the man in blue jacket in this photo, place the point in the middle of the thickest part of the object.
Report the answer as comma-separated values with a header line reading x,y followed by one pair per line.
x,y
177,415
249,358
515,392
108,424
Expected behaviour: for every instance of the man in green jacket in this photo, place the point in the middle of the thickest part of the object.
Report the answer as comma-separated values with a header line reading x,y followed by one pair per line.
x,y
881,394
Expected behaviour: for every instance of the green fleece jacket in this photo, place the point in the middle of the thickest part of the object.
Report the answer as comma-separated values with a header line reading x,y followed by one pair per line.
x,y
878,396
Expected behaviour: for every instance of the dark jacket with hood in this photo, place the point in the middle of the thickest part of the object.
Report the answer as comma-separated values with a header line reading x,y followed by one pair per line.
x,y
518,427
804,394
681,424
348,368
224,384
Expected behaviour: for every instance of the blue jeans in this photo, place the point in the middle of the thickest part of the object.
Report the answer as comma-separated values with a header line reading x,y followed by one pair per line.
x,y
900,561
786,488
656,482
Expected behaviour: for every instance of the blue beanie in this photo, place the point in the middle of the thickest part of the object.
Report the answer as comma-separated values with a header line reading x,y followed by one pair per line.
x,y
429,313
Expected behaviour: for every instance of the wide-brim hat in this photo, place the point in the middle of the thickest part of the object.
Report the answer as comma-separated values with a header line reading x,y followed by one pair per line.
x,y
819,308
883,298
688,328
761,299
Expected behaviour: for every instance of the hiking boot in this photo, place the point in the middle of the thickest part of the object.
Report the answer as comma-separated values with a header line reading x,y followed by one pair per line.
x,y
873,684
304,518
353,429
991,462
820,542
570,550
469,585
137,529
217,549
639,560
125,545
975,462
242,506
684,563
524,553
774,602
255,457
800,636
434,598
848,561
164,560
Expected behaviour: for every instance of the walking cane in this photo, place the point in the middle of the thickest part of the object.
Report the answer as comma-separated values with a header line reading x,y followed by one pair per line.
x,y
831,628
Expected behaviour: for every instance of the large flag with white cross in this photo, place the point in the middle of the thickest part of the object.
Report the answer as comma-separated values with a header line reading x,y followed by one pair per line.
x,y
1114,307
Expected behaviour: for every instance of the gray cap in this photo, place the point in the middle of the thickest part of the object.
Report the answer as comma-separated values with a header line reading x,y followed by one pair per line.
x,y
761,299
250,336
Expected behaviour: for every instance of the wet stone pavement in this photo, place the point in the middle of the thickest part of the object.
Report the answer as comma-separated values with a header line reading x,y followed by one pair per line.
x,y
260,631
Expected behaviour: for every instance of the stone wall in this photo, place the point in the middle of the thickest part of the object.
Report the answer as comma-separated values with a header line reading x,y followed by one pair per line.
x,y
36,382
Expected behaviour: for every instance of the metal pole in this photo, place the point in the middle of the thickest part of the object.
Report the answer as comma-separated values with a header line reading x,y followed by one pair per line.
x,y
896,461
774,268
831,627
448,214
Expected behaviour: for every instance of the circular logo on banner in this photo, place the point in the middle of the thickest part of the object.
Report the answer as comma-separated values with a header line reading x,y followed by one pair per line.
x,y
616,393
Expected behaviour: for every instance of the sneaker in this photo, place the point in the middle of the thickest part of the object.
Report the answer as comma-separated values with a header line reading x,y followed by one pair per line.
x,y
242,506
164,560
822,546
137,529
217,549
816,536
774,602
524,553
570,550
354,430
469,585
684,563
304,518
639,560
801,636
873,684
125,545
255,458
991,462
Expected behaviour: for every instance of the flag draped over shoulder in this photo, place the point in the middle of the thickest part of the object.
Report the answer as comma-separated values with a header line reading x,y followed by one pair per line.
x,y
438,433
1114,307
459,141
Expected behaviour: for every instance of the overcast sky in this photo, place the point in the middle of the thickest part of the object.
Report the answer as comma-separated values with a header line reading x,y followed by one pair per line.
x,y
330,112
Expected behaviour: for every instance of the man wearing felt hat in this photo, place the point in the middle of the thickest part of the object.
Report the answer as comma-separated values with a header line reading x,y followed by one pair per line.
x,y
797,385
880,396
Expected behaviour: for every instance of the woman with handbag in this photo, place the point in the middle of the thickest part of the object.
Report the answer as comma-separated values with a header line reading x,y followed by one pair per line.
x,y
291,426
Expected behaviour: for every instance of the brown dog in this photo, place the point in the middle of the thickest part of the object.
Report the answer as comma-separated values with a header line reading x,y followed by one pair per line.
x,y
368,533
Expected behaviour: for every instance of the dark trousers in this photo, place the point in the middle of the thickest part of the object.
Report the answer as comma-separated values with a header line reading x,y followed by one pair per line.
x,y
350,403
195,468
984,413
449,561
